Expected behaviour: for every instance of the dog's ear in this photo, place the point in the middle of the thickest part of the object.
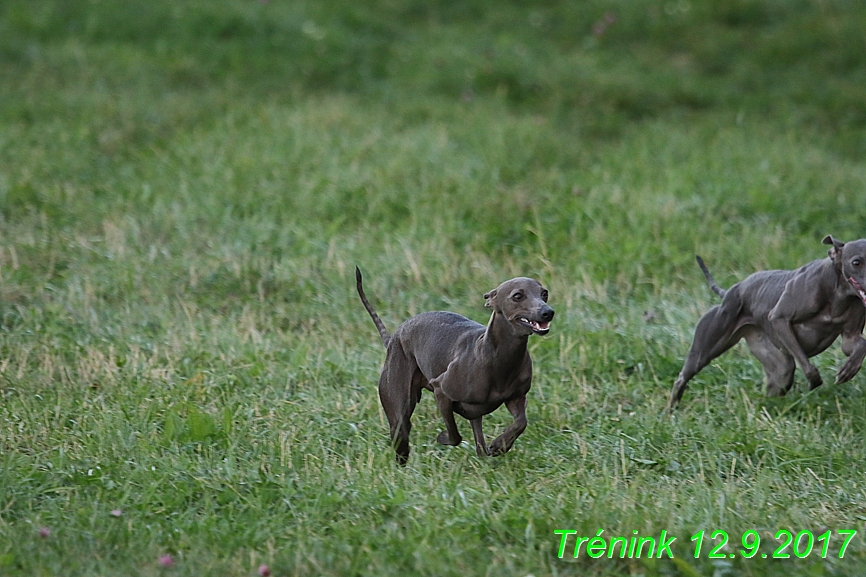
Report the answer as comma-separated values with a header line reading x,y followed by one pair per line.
x,y
488,298
838,245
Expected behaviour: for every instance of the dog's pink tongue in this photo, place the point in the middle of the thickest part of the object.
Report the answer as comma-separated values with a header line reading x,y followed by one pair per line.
x,y
859,289
545,326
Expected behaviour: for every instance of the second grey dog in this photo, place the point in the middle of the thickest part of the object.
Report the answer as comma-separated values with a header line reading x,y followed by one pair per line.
x,y
471,369
786,317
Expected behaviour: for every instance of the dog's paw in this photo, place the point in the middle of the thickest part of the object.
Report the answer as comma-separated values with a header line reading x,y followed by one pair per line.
x,y
444,439
847,371
814,378
497,448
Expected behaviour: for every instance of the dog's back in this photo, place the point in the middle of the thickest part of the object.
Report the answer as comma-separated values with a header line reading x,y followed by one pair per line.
x,y
435,338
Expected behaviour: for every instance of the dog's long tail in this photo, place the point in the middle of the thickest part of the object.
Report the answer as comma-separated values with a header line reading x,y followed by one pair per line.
x,y
383,332
710,280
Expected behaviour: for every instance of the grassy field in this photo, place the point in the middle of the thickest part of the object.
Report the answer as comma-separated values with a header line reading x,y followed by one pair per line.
x,y
186,370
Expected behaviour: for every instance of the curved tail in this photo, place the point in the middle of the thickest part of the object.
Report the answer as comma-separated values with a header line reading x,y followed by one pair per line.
x,y
710,280
386,338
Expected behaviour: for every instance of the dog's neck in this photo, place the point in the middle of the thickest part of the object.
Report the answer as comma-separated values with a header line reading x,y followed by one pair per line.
x,y
842,287
840,283
836,264
500,335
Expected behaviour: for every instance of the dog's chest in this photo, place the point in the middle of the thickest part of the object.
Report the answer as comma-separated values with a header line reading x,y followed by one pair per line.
x,y
475,406
841,311
818,332
825,321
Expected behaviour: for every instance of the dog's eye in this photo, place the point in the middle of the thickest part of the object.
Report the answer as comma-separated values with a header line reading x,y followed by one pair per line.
x,y
517,296
544,296
856,262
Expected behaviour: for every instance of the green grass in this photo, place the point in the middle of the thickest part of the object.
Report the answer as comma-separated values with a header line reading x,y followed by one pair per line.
x,y
185,189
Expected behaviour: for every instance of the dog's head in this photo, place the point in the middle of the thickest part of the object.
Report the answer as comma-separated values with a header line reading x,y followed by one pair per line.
x,y
850,261
523,302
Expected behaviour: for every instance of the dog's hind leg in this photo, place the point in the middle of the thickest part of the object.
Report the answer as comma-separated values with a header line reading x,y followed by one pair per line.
x,y
779,366
716,333
399,391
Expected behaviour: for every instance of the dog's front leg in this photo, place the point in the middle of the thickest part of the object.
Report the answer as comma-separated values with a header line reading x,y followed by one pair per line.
x,y
504,442
854,347
798,303
786,337
450,436
480,445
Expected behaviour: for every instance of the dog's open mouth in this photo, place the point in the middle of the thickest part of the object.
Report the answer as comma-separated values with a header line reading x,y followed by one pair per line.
x,y
859,289
537,327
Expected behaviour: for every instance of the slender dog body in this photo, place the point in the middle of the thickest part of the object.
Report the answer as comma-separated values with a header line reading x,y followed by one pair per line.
x,y
471,369
787,317
445,336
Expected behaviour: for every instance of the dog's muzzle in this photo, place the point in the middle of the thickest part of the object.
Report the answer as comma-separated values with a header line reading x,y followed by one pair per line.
x,y
539,327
